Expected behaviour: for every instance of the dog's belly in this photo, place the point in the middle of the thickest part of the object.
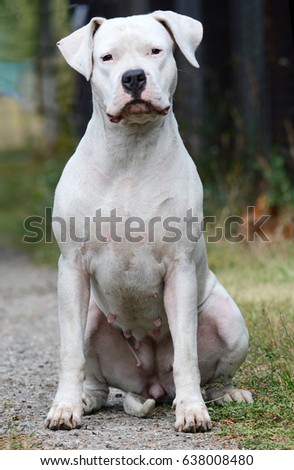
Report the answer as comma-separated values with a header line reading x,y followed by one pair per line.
x,y
127,285
146,370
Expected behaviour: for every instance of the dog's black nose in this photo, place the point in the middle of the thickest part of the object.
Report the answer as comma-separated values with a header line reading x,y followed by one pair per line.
x,y
134,81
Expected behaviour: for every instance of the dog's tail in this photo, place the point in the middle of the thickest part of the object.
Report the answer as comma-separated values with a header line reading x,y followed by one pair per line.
x,y
136,405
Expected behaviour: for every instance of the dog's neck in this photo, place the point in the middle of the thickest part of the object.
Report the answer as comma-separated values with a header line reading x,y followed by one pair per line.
x,y
129,144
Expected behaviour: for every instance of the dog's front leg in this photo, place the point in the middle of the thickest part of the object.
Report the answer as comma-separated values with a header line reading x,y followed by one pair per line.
x,y
73,301
180,299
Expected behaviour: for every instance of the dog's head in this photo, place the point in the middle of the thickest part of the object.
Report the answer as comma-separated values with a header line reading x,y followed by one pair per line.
x,y
130,61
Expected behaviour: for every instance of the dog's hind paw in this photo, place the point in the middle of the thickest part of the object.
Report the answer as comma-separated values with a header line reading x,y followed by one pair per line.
x,y
93,402
228,394
136,405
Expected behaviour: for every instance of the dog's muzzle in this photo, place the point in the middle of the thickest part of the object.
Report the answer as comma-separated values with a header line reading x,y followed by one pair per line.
x,y
134,82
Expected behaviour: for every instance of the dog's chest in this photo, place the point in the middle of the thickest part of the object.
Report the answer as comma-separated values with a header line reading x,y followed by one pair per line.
x,y
140,196
127,257
127,281
128,263
131,217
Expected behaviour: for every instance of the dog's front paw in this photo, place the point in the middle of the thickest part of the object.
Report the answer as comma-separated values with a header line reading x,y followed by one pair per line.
x,y
64,416
192,416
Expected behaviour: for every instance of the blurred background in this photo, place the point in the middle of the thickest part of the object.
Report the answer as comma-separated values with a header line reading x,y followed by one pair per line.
x,y
235,113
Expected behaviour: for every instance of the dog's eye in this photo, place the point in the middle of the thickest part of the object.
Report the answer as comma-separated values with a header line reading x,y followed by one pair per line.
x,y
106,58
155,51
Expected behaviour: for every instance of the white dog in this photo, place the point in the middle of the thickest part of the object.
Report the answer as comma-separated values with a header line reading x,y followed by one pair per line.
x,y
139,309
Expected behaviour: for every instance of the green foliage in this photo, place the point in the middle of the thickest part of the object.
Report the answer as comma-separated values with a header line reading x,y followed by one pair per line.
x,y
18,29
27,187
279,187
227,163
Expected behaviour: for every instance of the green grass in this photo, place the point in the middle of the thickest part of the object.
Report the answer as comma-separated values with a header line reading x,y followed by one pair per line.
x,y
259,276
17,441
261,279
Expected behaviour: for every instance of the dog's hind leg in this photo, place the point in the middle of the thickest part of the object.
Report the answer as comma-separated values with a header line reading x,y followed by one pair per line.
x,y
95,388
95,392
223,346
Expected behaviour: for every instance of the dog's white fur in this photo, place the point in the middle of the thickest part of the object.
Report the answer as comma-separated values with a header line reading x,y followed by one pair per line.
x,y
168,325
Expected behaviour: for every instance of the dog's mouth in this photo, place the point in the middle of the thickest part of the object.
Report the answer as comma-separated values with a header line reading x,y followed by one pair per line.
x,y
136,108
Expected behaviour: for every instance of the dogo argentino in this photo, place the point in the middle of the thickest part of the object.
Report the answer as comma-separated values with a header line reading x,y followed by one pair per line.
x,y
139,309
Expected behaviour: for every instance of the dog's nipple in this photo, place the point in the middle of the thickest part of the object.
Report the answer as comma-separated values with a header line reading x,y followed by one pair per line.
x,y
111,318
157,322
156,332
128,334
138,344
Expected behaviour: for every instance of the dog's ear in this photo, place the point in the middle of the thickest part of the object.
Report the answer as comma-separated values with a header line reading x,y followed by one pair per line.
x,y
186,32
77,48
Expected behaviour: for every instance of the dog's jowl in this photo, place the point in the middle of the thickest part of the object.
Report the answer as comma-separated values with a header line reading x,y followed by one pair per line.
x,y
139,309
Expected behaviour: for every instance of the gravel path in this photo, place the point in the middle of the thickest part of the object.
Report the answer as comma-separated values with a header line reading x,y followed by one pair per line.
x,y
29,340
